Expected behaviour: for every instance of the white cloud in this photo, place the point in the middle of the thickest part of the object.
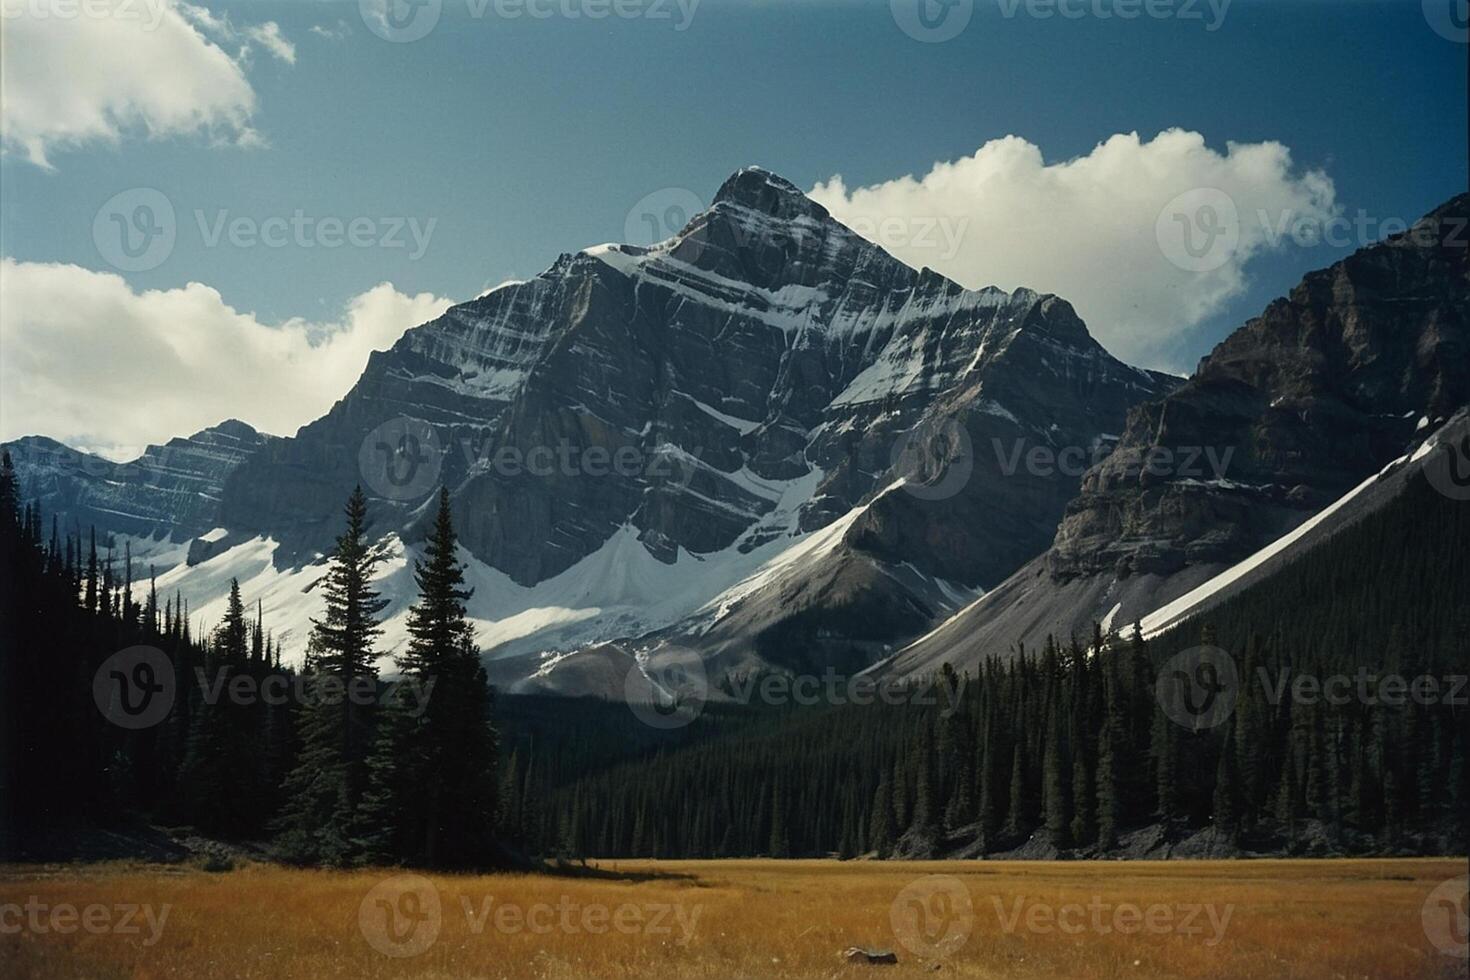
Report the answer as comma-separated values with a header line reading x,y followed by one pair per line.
x,y
1085,229
86,360
269,36
336,32
74,73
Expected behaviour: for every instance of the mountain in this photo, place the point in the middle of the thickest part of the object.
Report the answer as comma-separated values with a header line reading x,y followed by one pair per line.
x,y
766,437
162,499
1360,365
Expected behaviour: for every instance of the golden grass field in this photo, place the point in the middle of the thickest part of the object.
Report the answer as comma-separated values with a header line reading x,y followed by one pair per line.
x,y
1286,919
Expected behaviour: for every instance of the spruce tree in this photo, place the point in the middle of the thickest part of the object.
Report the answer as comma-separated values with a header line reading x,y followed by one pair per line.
x,y
1112,742
450,748
1056,789
880,830
335,729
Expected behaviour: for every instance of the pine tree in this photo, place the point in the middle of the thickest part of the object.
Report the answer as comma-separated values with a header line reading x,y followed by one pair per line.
x,y
925,808
780,843
1164,754
1110,759
451,748
91,594
232,637
1056,788
335,731
880,831
1227,787
1020,821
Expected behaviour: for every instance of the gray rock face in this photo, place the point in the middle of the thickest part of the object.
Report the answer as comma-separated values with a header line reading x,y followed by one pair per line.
x,y
685,388
1356,367
1309,398
169,491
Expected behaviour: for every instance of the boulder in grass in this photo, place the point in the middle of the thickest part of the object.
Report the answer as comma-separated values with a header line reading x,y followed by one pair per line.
x,y
872,957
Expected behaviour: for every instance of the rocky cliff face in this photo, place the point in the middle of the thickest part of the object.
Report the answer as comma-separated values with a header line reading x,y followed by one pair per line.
x,y
1308,398
1362,363
687,390
170,491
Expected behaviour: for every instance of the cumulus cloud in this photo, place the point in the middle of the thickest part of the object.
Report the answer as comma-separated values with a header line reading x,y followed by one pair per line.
x,y
1101,230
74,73
86,360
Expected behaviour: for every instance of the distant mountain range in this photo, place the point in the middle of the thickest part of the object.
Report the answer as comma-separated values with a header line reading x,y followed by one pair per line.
x,y
768,441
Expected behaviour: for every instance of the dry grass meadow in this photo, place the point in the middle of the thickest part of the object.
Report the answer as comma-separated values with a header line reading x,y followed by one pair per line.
x,y
732,919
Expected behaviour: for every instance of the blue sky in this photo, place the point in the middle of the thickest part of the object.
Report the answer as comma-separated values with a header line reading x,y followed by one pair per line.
x,y
522,138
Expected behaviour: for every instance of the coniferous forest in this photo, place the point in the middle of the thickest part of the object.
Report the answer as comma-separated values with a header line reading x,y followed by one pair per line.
x,y
330,763
1058,752
1067,750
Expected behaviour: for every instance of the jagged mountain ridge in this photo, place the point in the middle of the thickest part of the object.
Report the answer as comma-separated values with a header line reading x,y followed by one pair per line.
x,y
170,492
765,335
768,367
1360,364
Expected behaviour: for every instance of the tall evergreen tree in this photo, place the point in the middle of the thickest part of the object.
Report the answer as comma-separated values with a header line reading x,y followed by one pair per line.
x,y
335,733
450,748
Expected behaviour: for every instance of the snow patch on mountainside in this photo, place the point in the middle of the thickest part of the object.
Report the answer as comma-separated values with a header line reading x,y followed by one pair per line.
x,y
1168,615
619,591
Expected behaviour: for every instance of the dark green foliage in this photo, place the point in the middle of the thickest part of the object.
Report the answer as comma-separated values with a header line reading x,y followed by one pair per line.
x,y
434,785
1074,742
247,745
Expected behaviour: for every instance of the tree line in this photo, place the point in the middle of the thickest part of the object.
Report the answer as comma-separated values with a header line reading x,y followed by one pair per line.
x,y
346,769
1068,750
